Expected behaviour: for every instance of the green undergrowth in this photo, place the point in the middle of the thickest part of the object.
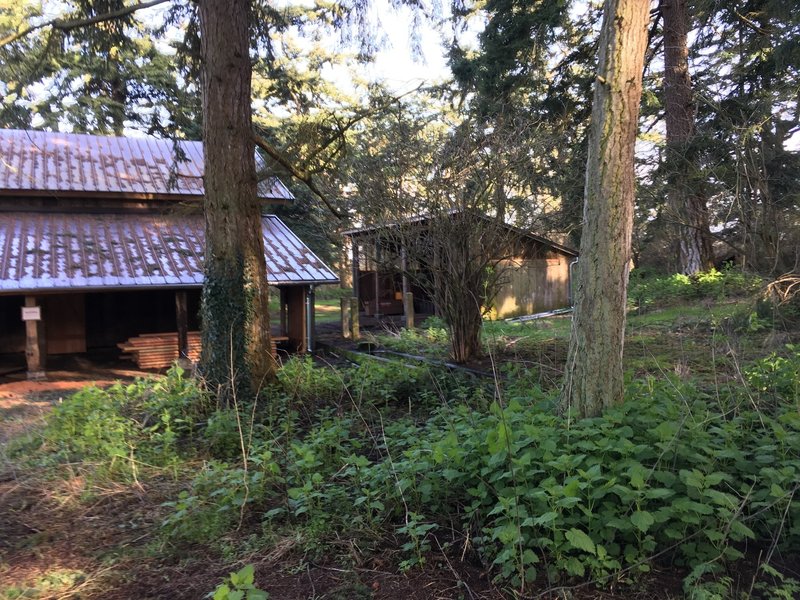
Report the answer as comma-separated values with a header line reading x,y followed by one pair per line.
x,y
647,290
380,454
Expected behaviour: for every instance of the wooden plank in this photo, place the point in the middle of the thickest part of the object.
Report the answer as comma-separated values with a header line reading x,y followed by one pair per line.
x,y
160,350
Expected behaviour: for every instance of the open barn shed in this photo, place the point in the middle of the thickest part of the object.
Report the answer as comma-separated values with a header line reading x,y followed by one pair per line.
x,y
400,260
102,239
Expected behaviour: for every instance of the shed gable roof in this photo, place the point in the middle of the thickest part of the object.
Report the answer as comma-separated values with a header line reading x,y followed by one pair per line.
x,y
378,230
73,252
42,162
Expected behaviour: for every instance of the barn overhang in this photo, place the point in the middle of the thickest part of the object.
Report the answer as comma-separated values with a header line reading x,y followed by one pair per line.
x,y
63,252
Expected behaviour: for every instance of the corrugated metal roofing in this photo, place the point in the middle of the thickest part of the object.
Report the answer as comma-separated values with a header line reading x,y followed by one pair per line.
x,y
42,161
67,251
371,230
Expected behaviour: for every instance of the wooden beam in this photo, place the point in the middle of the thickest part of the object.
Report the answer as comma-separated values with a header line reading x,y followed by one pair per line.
x,y
408,309
355,266
345,313
35,350
310,300
354,324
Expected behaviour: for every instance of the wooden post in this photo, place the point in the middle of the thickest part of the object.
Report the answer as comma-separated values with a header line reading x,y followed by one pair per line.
x,y
408,299
354,325
377,312
408,309
182,320
355,267
404,268
310,301
35,349
345,312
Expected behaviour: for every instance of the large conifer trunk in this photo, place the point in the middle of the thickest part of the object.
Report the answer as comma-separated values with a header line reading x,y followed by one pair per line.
x,y
235,335
593,378
686,198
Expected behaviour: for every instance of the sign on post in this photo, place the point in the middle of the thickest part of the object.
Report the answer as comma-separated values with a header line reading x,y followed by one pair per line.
x,y
31,313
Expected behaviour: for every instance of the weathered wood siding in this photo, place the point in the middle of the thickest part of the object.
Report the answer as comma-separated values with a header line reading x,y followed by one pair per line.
x,y
65,323
533,285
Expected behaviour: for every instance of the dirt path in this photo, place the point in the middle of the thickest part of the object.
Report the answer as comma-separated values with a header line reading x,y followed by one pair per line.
x,y
23,403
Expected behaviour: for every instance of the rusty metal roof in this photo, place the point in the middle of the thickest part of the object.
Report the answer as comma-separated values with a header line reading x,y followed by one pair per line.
x,y
42,162
72,252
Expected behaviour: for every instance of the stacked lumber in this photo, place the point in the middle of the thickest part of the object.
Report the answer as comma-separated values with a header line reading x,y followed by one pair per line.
x,y
158,350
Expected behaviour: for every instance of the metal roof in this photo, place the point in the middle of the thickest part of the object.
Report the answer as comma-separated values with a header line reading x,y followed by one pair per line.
x,y
43,162
73,252
377,230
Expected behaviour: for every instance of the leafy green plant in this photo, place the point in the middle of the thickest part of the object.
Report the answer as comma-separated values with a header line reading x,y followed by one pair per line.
x,y
647,290
219,497
308,386
239,586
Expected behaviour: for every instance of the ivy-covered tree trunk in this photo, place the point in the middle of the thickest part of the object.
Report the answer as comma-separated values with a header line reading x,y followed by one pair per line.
x,y
593,378
686,198
236,354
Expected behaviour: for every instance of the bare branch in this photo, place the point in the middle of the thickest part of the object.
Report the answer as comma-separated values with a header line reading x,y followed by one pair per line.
x,y
300,174
64,25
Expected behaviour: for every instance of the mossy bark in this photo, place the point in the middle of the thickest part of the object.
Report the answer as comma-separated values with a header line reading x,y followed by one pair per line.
x,y
593,379
236,356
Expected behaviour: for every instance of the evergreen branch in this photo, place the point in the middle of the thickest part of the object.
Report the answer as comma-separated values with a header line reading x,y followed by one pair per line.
x,y
303,175
67,25
341,128
751,24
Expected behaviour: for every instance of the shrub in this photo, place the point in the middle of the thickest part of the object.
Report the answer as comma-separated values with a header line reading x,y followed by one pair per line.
x,y
310,387
670,471
647,290
126,424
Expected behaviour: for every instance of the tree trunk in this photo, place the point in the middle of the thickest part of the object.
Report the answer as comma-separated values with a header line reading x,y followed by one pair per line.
x,y
593,379
236,355
686,199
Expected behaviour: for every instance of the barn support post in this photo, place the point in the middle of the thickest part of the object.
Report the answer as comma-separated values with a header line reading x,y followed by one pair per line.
x,y
344,307
408,309
377,312
354,324
35,348
182,321
310,296
355,266
408,297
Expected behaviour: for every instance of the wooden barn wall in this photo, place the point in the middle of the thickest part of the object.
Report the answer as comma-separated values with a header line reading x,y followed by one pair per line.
x,y
64,318
533,285
64,323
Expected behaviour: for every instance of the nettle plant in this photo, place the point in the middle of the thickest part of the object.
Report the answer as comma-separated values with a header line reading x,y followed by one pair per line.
x,y
675,474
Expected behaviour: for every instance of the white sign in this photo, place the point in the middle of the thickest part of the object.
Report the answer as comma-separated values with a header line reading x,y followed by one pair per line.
x,y
31,313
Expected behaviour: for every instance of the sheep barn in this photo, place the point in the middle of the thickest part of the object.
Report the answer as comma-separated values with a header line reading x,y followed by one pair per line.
x,y
102,243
